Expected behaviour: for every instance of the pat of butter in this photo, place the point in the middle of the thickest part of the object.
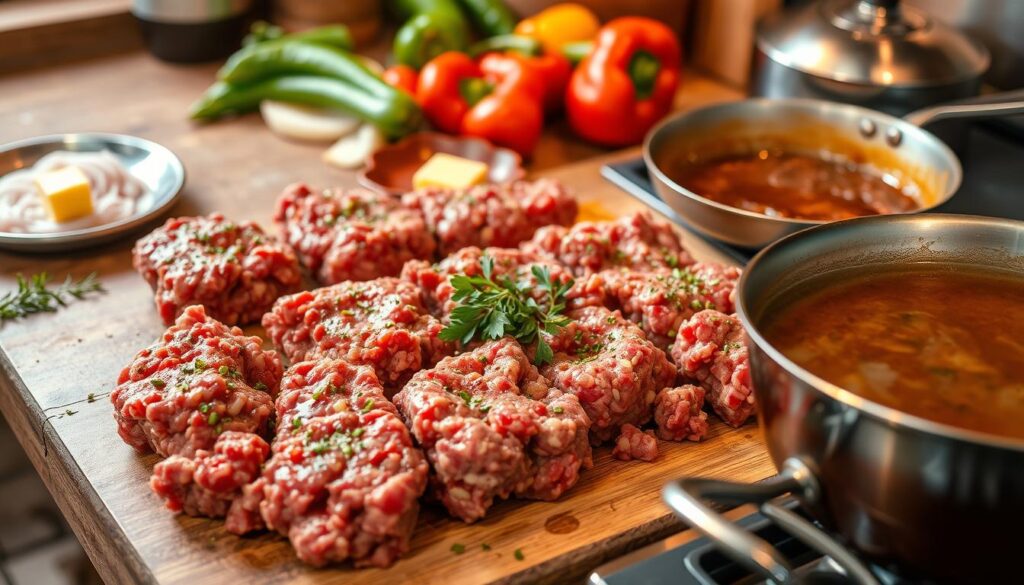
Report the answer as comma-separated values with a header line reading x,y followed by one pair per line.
x,y
445,170
66,193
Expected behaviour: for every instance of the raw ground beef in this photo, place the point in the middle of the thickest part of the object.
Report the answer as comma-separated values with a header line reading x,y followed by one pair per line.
x,y
492,426
661,300
351,235
678,414
632,443
636,241
209,482
382,323
492,215
510,263
711,349
607,362
201,378
344,479
231,268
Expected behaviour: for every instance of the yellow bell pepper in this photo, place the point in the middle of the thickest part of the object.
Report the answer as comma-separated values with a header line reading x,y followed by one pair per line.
x,y
560,24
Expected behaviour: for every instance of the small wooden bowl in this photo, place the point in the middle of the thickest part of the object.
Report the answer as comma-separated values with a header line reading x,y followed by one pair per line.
x,y
391,168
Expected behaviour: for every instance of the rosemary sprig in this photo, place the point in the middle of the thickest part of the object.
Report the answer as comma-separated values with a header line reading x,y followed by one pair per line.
x,y
489,308
34,296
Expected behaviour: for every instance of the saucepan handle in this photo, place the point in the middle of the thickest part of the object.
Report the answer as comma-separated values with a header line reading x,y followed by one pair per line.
x,y
687,498
999,104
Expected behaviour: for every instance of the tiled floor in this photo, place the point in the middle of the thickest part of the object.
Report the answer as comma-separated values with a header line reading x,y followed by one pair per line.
x,y
36,545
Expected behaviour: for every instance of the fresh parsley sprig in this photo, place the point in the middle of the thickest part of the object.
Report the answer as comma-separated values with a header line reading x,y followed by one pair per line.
x,y
34,296
489,308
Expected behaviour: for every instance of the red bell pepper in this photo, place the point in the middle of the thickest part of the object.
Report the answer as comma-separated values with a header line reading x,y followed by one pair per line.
x,y
402,77
553,68
626,83
498,99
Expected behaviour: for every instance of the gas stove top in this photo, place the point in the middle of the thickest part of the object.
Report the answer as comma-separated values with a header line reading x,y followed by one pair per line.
x,y
690,559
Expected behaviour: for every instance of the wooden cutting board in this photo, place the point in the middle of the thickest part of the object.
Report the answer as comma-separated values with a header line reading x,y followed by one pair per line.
x,y
51,364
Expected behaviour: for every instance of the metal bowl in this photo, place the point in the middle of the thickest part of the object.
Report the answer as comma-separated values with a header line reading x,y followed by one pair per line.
x,y
925,498
153,164
888,143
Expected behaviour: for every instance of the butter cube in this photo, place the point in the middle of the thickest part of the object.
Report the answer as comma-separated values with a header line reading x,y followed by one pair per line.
x,y
66,193
446,170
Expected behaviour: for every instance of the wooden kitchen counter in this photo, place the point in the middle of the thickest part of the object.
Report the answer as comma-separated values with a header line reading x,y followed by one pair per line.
x,y
53,363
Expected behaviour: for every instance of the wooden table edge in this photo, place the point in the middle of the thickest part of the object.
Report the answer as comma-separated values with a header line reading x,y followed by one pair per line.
x,y
100,535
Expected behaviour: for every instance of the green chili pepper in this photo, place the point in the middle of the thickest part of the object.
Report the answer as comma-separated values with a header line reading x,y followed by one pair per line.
x,y
426,36
395,117
528,46
491,17
275,58
334,35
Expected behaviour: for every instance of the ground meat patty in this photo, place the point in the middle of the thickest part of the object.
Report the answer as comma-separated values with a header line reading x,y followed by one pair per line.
x,y
492,215
231,268
351,235
661,300
200,379
637,241
608,363
344,479
710,349
209,482
492,426
511,263
632,443
382,323
678,414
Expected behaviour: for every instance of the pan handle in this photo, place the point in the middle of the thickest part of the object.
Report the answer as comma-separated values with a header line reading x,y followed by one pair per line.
x,y
990,106
686,498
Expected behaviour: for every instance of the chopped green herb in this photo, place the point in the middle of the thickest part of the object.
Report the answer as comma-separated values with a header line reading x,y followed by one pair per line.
x,y
358,432
199,365
223,370
518,554
213,418
33,296
260,386
458,548
558,410
70,412
296,423
91,398
183,387
367,406
204,408
157,383
489,308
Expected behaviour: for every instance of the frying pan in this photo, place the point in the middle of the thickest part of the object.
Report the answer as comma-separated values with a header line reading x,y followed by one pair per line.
x,y
895,146
923,498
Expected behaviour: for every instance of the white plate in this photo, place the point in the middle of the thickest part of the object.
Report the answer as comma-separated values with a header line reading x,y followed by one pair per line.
x,y
156,166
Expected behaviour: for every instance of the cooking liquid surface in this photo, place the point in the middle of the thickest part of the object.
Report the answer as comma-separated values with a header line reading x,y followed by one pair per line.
x,y
793,185
942,345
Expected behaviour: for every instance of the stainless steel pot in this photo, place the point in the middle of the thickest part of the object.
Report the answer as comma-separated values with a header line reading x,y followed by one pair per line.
x,y
879,54
930,499
895,146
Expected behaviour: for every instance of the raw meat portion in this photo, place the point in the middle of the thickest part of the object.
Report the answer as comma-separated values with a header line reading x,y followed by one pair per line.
x,y
492,215
678,414
207,483
231,268
380,322
351,235
711,349
632,443
637,241
510,263
608,363
492,426
344,479
660,301
200,379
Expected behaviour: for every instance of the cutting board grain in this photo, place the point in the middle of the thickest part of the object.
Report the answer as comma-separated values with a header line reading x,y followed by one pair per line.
x,y
56,370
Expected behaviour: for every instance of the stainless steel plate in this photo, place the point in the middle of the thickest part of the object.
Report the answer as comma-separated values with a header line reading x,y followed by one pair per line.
x,y
153,164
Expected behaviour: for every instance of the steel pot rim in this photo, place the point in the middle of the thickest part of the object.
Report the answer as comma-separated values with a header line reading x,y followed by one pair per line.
x,y
908,130
889,415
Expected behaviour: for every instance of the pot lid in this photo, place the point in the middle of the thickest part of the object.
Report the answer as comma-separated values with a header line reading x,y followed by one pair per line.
x,y
872,42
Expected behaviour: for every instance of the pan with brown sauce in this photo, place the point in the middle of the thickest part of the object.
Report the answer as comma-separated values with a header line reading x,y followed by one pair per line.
x,y
944,345
795,185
